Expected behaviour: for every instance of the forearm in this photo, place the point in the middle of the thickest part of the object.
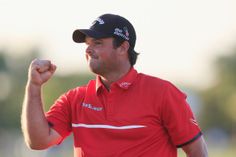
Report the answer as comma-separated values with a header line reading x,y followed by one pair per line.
x,y
34,124
196,149
197,154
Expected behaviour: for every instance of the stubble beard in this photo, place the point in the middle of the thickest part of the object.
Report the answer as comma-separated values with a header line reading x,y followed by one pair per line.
x,y
94,65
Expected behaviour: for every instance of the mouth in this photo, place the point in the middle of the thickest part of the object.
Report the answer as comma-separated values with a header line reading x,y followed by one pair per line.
x,y
89,57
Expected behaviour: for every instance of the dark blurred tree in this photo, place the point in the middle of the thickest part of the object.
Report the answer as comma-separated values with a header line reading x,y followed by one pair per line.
x,y
220,100
2,61
16,70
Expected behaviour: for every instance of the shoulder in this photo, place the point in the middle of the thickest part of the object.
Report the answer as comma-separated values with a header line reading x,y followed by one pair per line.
x,y
153,81
81,88
76,90
158,84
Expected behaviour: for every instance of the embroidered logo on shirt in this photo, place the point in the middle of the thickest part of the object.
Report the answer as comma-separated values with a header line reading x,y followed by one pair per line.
x,y
193,121
125,84
90,106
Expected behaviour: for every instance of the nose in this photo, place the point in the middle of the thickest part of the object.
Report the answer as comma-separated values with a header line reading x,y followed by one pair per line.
x,y
88,50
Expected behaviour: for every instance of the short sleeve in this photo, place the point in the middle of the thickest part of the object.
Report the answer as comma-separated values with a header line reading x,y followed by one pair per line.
x,y
178,117
59,115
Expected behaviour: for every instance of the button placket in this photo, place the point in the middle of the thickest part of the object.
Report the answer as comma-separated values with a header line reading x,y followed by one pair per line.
x,y
110,106
110,102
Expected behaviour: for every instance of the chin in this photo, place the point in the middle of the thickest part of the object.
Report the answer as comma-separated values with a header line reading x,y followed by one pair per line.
x,y
93,68
95,71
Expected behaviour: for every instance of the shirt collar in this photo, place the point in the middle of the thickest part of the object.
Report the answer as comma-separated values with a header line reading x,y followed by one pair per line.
x,y
125,82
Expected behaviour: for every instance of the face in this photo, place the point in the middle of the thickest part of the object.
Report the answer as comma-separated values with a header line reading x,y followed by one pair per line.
x,y
101,55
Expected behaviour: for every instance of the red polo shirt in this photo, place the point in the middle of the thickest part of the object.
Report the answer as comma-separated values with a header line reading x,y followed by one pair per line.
x,y
141,116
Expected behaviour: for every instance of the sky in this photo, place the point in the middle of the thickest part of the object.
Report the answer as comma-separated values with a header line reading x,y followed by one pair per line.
x,y
178,40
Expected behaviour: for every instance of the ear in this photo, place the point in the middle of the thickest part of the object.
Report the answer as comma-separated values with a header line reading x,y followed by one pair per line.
x,y
124,47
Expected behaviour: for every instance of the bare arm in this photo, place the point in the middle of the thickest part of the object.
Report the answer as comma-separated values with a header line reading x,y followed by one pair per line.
x,y
197,148
36,131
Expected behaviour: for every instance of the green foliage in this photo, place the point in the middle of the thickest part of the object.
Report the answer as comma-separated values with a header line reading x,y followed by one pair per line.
x,y
220,100
16,73
2,62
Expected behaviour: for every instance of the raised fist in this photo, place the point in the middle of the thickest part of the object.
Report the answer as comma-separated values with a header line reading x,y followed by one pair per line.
x,y
40,71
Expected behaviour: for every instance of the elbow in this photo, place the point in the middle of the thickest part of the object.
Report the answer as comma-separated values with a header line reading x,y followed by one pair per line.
x,y
36,146
37,142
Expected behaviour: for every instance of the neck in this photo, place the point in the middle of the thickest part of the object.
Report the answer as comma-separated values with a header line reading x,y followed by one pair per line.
x,y
114,76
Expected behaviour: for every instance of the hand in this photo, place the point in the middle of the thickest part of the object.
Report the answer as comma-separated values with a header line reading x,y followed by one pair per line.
x,y
40,71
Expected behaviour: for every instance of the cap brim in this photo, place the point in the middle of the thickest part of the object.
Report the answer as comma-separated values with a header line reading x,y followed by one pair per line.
x,y
80,34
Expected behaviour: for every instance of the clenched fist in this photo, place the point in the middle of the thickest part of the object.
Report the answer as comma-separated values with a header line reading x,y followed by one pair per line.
x,y
40,71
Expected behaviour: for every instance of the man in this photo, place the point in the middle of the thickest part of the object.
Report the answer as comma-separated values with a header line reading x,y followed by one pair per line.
x,y
122,113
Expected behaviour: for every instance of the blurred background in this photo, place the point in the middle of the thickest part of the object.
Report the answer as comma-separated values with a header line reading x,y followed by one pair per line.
x,y
190,43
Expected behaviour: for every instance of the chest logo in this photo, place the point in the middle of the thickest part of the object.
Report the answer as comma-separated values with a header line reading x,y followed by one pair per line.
x,y
90,106
125,84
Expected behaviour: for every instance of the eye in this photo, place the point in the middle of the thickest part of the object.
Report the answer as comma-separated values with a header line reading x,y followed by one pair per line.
x,y
97,42
86,43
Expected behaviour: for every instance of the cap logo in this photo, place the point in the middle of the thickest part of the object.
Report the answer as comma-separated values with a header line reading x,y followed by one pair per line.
x,y
99,20
122,33
126,31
